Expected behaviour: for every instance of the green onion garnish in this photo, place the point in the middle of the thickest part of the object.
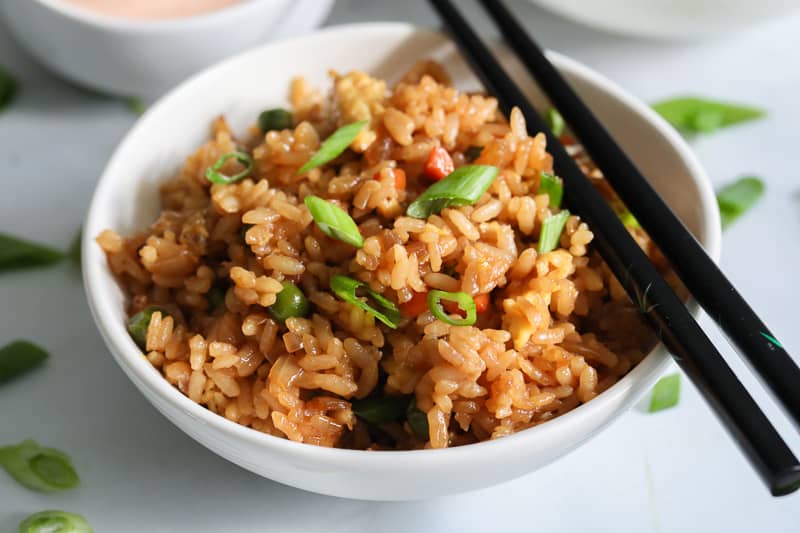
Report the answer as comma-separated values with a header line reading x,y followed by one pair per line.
x,y
19,357
736,198
334,221
334,146
290,302
464,301
666,393
55,522
16,253
8,88
214,175
42,469
345,288
275,119
417,420
138,324
463,186
136,106
699,115
472,153
551,231
554,121
551,184
380,410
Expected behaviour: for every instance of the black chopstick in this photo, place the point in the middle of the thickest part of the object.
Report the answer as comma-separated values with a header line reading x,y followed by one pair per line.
x,y
695,353
700,274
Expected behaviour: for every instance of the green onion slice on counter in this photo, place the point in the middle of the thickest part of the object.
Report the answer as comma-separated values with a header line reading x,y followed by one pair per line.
x,y
666,393
736,198
464,186
554,121
19,357
38,468
345,288
17,253
551,231
700,115
334,221
464,301
334,146
53,521
214,175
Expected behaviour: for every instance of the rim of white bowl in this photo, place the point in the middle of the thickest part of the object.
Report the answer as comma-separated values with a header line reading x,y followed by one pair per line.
x,y
141,371
131,25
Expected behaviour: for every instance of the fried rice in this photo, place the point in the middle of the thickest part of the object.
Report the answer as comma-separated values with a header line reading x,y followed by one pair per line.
x,y
554,330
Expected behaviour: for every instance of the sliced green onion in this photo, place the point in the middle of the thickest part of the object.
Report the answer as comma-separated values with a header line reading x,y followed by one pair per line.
x,y
418,421
138,324
290,302
464,186
16,253
214,175
700,115
19,357
8,88
472,153
334,146
627,219
74,252
55,522
554,121
216,298
551,231
38,468
381,410
666,393
551,184
136,106
736,198
334,221
345,288
275,119
464,301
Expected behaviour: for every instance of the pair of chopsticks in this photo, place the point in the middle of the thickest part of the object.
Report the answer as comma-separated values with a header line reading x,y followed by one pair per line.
x,y
694,352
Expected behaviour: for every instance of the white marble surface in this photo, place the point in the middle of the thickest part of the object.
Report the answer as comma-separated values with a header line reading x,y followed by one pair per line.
x,y
671,472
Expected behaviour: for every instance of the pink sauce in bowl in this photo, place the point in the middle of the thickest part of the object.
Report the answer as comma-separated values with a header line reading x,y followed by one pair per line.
x,y
152,9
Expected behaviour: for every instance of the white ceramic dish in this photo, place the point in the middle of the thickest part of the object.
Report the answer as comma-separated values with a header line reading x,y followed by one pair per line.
x,y
142,58
671,19
126,198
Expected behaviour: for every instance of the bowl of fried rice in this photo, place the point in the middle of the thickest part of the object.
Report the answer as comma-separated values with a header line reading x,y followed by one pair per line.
x,y
334,262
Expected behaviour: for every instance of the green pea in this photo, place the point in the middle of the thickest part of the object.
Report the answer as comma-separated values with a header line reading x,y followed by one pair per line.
x,y
290,302
418,421
138,324
380,410
55,522
275,119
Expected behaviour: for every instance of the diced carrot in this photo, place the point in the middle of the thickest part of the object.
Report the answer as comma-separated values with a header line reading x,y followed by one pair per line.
x,y
399,178
439,164
481,302
417,305
481,305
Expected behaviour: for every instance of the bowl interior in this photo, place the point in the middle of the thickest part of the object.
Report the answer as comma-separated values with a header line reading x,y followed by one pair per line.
x,y
126,198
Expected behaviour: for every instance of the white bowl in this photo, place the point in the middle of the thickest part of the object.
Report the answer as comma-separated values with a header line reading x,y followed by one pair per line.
x,y
671,19
137,57
126,198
